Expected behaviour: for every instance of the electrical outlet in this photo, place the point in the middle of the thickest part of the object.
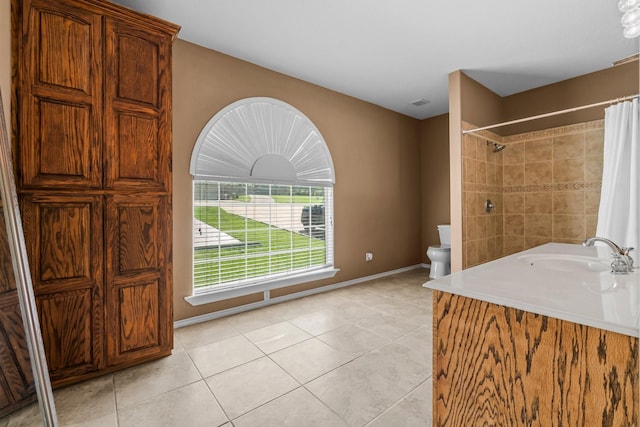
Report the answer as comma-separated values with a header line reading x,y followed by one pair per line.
x,y
368,256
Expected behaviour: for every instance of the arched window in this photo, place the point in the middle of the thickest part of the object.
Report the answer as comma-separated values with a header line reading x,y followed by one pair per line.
x,y
262,201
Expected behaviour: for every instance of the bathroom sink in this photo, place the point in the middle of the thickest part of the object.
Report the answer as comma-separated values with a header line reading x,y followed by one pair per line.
x,y
567,263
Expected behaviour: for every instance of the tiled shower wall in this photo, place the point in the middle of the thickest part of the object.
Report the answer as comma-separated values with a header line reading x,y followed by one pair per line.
x,y
551,185
482,180
545,186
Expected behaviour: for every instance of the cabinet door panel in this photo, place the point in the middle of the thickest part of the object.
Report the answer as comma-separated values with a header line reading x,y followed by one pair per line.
x,y
64,132
7,277
137,110
63,39
137,57
16,378
137,238
64,240
64,243
14,340
61,98
64,43
138,316
137,158
138,278
65,246
68,332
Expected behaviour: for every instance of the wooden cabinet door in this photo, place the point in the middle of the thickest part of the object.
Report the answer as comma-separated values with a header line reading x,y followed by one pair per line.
x,y
137,108
64,245
16,378
138,278
61,97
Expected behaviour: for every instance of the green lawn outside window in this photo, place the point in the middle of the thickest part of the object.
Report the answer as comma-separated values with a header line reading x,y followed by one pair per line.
x,y
264,250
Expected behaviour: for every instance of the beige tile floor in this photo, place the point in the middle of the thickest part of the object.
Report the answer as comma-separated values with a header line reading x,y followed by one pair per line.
x,y
356,356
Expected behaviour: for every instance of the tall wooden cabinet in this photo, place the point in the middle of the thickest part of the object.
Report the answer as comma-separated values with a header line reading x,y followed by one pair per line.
x,y
92,148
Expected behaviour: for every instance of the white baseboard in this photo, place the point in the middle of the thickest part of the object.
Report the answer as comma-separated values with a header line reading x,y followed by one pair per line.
x,y
235,310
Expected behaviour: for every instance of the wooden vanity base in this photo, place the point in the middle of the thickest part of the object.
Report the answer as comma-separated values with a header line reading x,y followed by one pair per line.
x,y
498,366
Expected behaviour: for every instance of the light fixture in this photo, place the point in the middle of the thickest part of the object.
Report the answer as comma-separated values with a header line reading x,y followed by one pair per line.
x,y
626,5
631,17
632,31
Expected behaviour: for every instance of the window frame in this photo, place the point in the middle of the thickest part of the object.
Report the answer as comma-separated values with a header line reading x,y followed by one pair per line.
x,y
319,174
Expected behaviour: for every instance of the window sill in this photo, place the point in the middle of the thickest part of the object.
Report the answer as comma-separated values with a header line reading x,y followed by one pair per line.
x,y
222,294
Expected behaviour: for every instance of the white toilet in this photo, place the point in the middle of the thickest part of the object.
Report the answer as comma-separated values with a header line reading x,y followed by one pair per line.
x,y
440,256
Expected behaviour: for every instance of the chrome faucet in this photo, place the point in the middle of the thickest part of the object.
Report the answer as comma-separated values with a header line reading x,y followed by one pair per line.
x,y
622,262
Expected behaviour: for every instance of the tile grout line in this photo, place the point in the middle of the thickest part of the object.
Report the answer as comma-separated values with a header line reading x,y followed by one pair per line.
x,y
398,401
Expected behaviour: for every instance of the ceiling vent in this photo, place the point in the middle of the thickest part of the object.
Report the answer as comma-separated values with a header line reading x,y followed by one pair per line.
x,y
420,102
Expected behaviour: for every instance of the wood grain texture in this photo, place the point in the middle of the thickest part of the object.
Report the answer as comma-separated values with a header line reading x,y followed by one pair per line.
x,y
64,244
137,111
136,277
59,73
67,332
498,366
138,316
92,144
7,278
16,378
64,136
138,136
64,240
135,232
62,40
137,56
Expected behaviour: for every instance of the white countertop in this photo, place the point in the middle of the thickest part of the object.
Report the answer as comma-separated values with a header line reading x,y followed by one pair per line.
x,y
564,281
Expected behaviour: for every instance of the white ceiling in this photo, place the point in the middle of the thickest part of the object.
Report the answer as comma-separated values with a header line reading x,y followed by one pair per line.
x,y
393,52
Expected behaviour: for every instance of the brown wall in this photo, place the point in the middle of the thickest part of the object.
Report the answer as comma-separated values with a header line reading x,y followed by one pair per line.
x,y
436,210
610,83
455,168
470,102
480,105
376,155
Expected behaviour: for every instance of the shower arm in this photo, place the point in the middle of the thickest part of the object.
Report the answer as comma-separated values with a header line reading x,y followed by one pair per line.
x,y
496,147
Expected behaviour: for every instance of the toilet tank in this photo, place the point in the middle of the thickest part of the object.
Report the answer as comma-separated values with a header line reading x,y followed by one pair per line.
x,y
445,234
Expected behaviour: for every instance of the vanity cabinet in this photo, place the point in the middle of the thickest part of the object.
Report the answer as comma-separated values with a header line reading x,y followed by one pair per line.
x,y
92,149
544,337
496,365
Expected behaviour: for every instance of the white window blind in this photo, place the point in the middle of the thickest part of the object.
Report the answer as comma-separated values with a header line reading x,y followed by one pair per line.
x,y
247,233
262,200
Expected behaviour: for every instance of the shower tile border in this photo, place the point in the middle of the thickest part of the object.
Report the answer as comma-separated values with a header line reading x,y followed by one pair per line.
x,y
537,134
532,188
562,186
557,131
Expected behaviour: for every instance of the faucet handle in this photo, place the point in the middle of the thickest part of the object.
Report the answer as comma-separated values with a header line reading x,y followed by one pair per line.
x,y
620,264
626,251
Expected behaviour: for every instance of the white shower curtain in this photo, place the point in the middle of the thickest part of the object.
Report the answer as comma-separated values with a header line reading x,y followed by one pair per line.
x,y
619,213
